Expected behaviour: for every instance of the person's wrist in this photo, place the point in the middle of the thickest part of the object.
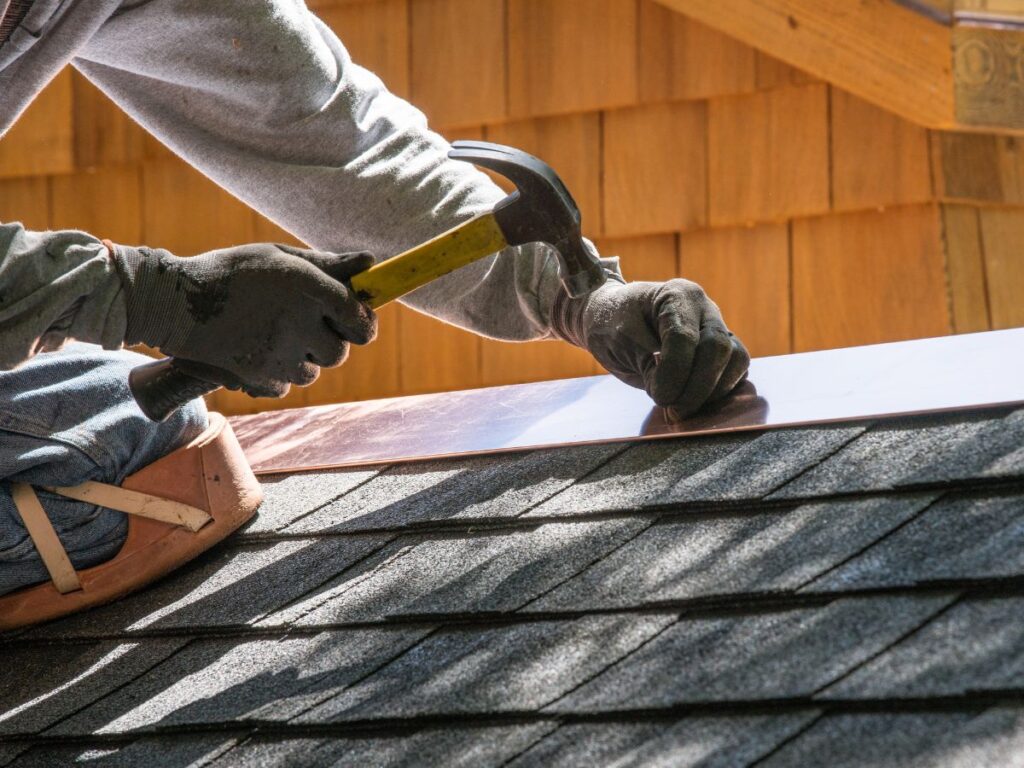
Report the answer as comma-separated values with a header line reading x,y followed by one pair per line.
x,y
156,302
569,315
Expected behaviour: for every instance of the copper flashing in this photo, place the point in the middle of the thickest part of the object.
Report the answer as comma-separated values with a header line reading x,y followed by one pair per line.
x,y
949,373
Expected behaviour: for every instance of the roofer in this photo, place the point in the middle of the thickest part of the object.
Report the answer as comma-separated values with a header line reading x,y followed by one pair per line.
x,y
262,97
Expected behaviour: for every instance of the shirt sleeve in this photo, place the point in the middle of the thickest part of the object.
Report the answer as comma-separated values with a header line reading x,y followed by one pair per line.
x,y
263,98
56,286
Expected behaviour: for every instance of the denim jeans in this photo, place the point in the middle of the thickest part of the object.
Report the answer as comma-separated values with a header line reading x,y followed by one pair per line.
x,y
67,417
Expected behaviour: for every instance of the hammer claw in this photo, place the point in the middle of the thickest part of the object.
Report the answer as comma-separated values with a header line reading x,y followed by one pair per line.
x,y
541,210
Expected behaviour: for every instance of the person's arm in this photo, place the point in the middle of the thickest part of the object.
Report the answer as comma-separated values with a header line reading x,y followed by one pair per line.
x,y
56,286
263,98
257,318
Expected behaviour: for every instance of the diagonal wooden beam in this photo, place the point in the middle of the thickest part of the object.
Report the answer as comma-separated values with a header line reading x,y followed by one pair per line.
x,y
881,51
948,64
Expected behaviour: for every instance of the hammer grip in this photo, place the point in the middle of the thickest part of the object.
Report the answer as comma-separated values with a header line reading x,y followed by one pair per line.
x,y
459,246
160,388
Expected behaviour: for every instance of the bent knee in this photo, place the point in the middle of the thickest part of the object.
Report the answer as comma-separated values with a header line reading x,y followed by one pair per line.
x,y
79,397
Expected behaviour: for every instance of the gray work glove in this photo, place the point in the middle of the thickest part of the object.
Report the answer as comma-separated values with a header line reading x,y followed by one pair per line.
x,y
625,324
255,317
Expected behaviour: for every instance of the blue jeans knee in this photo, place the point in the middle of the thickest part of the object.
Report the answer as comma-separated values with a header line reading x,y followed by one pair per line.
x,y
67,417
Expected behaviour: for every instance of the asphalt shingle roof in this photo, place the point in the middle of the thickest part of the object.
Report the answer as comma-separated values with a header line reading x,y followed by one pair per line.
x,y
849,594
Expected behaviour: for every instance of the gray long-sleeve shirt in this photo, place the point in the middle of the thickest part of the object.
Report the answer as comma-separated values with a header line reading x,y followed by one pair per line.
x,y
262,97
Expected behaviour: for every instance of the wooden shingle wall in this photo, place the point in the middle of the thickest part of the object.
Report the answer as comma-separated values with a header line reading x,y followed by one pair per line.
x,y
814,218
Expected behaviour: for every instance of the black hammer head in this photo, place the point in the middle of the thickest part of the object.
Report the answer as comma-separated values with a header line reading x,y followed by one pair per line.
x,y
541,210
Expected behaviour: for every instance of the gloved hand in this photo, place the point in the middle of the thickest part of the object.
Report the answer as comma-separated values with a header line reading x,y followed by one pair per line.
x,y
625,324
255,317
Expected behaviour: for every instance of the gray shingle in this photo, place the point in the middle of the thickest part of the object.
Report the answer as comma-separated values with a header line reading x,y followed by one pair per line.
x,y
976,645
729,555
993,739
228,585
482,487
958,538
454,748
710,742
718,468
848,649
640,475
461,574
10,751
1011,463
759,466
42,684
164,751
765,656
289,497
493,670
928,449
226,680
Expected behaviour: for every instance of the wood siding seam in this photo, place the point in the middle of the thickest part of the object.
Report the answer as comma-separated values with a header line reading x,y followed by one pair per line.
x,y
877,158
932,180
1002,232
792,296
708,175
408,44
830,94
506,53
984,269
948,270
49,203
602,178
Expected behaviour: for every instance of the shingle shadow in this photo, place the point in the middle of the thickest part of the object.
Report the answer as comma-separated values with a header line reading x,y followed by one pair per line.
x,y
573,663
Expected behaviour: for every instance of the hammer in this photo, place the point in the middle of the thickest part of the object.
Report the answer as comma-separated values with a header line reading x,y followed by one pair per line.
x,y
540,210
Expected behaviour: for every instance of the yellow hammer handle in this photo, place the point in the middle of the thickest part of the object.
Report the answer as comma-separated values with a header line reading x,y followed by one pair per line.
x,y
406,272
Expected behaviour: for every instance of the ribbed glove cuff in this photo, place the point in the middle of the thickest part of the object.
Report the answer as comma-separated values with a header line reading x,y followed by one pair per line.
x,y
567,317
157,303
567,313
